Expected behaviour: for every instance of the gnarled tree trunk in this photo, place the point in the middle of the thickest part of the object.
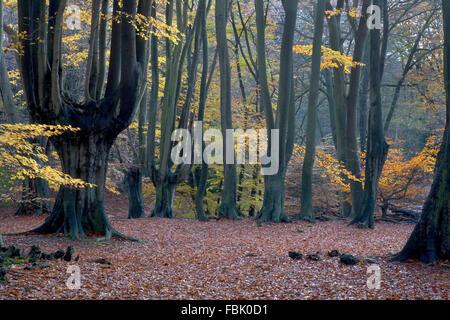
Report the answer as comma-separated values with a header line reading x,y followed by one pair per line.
x,y
84,153
77,211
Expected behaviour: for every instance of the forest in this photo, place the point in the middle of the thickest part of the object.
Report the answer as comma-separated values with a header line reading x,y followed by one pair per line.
x,y
224,149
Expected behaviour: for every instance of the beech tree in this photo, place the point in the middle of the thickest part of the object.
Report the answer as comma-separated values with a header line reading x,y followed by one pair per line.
x,y
345,101
202,179
284,121
83,154
307,211
430,239
377,148
180,55
228,207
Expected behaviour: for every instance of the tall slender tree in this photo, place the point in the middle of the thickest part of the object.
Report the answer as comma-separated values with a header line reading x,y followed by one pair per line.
x,y
228,207
274,185
202,179
307,211
377,148
345,101
167,176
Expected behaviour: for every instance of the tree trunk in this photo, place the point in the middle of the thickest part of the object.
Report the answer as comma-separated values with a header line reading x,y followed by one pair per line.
x,y
274,185
334,30
165,193
273,203
377,148
201,191
79,211
203,179
384,210
83,154
228,208
135,198
430,239
307,210
331,107
364,92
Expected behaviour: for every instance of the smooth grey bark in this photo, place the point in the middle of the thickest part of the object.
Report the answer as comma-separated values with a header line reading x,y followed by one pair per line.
x,y
5,86
307,210
430,240
153,103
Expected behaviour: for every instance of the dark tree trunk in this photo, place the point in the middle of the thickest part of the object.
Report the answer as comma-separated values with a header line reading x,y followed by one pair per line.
x,y
227,208
430,239
203,179
274,185
83,154
36,194
273,203
78,211
307,210
334,27
351,145
201,191
377,148
384,210
165,193
364,93
135,198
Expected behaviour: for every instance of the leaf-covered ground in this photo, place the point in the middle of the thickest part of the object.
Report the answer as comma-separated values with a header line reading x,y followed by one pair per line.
x,y
185,259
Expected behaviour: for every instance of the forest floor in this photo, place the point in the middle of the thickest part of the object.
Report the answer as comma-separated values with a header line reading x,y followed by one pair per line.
x,y
187,259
